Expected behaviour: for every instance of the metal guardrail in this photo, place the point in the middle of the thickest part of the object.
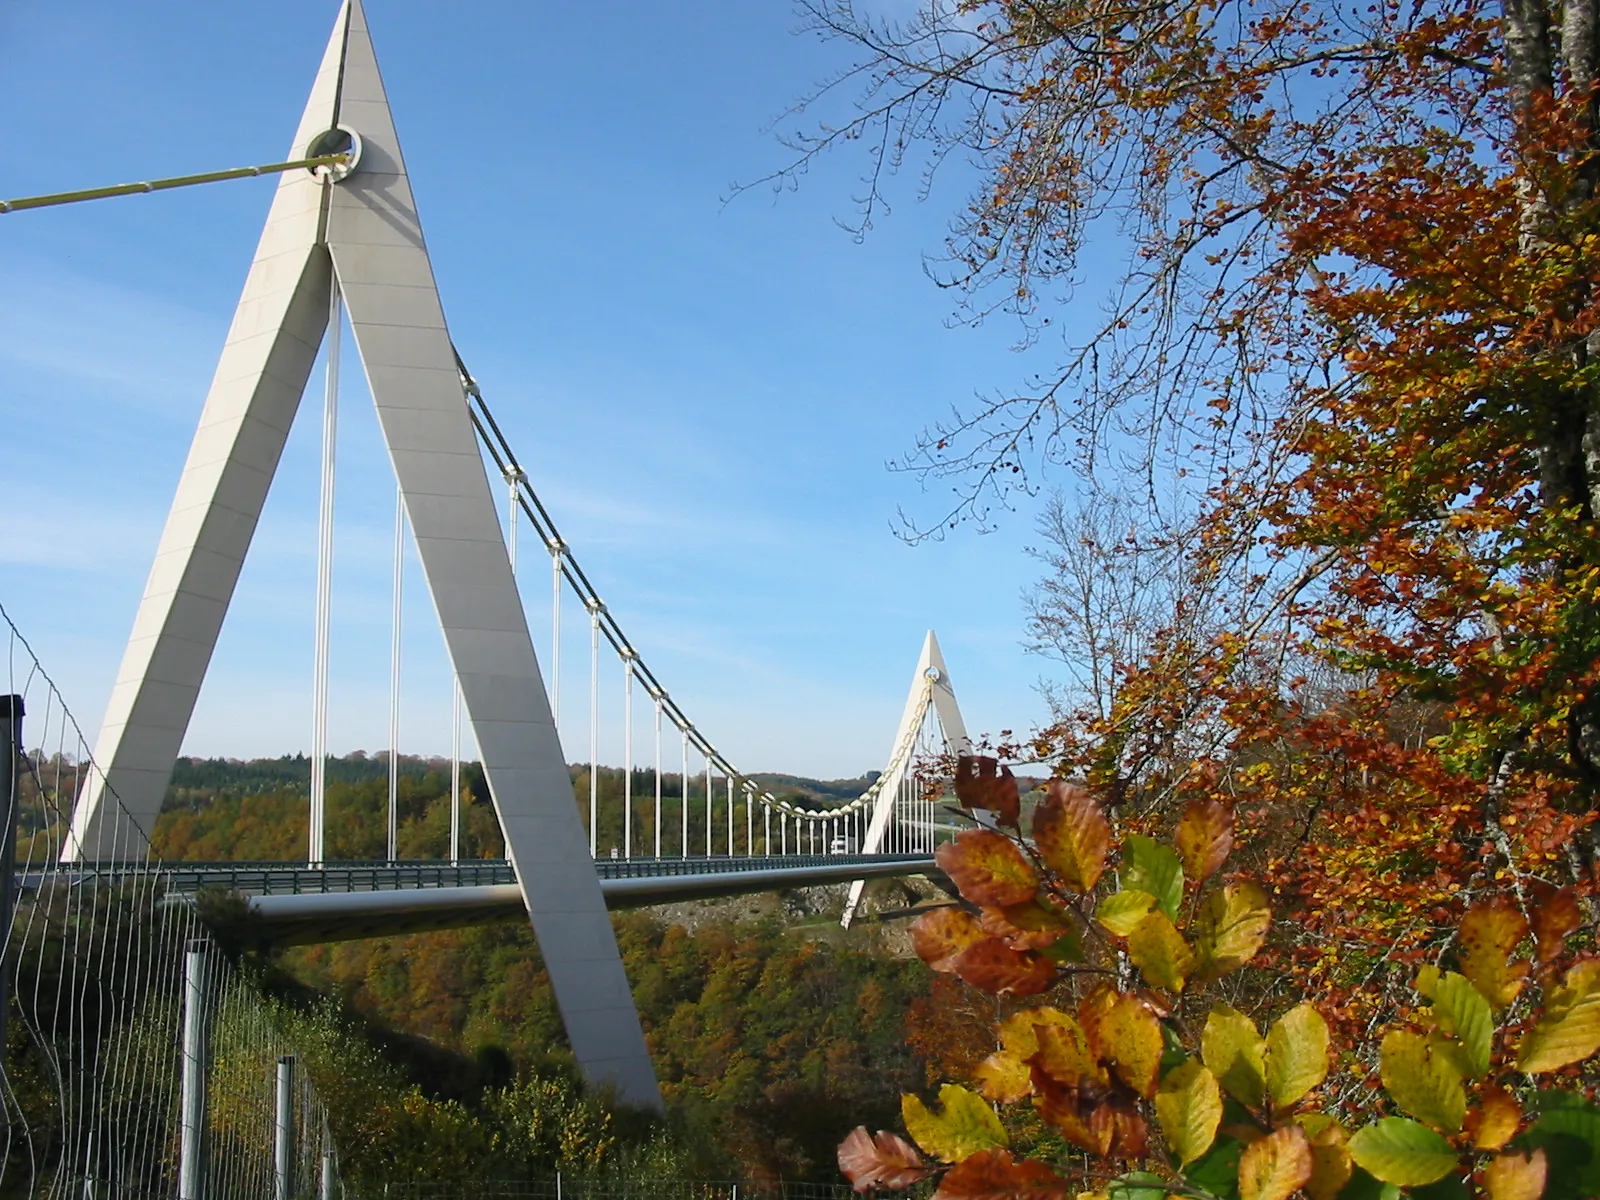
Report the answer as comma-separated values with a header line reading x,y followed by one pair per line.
x,y
295,879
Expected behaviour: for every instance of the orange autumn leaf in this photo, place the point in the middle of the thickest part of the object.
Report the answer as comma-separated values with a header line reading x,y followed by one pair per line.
x,y
995,1175
940,934
1512,1176
1496,1121
1276,1166
1204,838
1073,835
988,868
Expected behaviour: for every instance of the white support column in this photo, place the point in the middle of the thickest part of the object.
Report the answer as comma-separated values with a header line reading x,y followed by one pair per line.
x,y
627,753
394,676
557,553
455,775
594,730
657,695
683,785
324,613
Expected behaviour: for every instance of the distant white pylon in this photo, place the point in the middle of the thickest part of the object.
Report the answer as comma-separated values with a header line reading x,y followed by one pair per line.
x,y
930,688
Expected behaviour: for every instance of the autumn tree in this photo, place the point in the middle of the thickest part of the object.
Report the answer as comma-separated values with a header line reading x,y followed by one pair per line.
x,y
1355,316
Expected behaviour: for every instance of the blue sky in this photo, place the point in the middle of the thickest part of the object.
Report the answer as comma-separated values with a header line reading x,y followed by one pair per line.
x,y
705,392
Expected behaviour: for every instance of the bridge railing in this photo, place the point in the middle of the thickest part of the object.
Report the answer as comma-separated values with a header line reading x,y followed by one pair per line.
x,y
292,878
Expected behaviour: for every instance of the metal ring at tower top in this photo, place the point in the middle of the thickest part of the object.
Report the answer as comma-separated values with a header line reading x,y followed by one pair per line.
x,y
932,675
341,139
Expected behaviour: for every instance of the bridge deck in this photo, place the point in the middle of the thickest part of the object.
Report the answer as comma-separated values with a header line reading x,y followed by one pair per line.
x,y
297,878
291,903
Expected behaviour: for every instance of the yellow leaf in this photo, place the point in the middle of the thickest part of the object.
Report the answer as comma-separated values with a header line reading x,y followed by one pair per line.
x,y
1064,1055
1273,1167
1130,1035
1233,1051
1515,1176
1003,1078
1297,1055
1569,1031
1122,911
966,1125
1158,950
1189,1107
1229,929
1017,1031
1423,1081
1489,934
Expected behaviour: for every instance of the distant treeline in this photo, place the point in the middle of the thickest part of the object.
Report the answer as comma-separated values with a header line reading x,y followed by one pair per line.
x,y
225,809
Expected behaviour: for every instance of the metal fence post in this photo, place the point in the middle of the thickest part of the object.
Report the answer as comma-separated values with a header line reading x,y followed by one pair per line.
x,y
196,1052
11,789
283,1142
325,1188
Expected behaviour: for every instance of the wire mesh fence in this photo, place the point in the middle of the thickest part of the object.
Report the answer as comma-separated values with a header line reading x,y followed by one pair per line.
x,y
119,1076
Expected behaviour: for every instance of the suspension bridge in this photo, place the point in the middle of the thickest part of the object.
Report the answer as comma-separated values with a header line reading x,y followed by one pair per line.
x,y
343,248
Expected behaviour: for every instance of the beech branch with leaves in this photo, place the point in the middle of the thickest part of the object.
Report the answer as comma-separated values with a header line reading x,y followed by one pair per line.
x,y
1170,1091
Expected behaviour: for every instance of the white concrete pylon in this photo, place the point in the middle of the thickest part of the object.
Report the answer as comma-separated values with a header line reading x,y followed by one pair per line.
x,y
364,230
930,687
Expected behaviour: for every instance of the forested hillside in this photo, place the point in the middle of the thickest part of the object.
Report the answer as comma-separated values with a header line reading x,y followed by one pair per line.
x,y
770,1037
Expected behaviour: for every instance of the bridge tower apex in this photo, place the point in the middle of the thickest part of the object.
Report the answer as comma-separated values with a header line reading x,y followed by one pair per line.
x,y
358,234
931,690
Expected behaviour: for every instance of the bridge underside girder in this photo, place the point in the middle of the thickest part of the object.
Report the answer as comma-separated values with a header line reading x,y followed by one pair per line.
x,y
347,916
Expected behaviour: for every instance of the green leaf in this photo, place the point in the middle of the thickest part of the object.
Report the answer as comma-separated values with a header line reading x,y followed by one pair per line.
x,y
1233,1050
1403,1152
1464,1014
1122,911
1297,1055
1422,1081
1217,1170
1363,1186
1189,1107
1154,868
1128,1187
966,1125
1159,951
1568,1131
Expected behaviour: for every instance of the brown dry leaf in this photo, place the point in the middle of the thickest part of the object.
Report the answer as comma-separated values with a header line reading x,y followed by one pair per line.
x,y
981,782
992,966
887,1161
1555,913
